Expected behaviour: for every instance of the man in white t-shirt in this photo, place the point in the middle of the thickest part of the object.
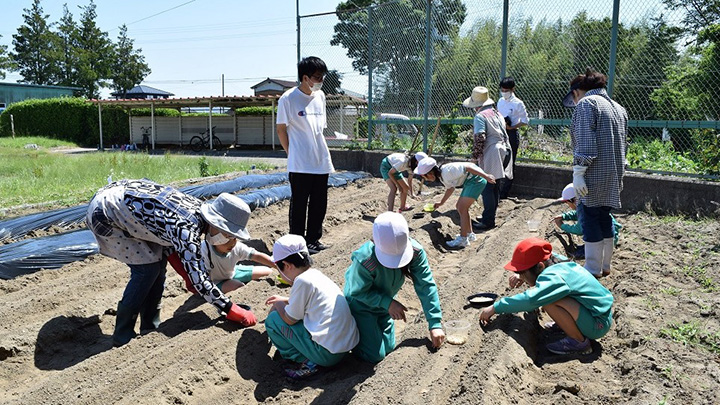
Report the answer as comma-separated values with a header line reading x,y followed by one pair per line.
x,y
513,109
313,326
300,123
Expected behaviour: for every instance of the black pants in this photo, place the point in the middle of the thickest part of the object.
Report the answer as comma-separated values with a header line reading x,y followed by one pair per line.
x,y
308,200
514,145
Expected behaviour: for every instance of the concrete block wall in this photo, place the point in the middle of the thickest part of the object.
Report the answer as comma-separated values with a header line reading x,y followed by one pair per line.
x,y
661,194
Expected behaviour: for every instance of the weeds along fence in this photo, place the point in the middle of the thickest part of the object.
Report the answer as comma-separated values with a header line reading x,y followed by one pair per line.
x,y
421,58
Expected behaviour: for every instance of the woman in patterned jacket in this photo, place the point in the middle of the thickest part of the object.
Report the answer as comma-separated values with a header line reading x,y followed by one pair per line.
x,y
140,223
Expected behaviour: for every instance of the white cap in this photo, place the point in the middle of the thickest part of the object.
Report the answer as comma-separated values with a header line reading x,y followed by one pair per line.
x,y
425,165
288,245
568,193
392,240
420,156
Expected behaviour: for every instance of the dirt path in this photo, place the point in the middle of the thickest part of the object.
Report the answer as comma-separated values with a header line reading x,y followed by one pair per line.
x,y
55,340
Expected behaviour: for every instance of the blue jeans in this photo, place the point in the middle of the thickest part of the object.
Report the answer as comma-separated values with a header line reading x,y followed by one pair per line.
x,y
596,223
146,285
491,198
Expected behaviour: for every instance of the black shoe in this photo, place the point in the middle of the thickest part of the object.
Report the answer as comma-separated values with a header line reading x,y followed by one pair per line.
x,y
481,226
315,247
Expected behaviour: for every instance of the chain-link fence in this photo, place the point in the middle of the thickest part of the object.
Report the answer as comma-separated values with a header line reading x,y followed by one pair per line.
x,y
414,61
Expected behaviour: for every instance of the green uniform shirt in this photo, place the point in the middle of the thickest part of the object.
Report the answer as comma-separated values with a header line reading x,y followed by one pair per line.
x,y
374,285
556,282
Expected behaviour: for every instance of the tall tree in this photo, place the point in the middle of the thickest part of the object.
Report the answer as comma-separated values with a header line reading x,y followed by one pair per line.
x,y
6,63
67,49
95,52
332,82
33,45
128,67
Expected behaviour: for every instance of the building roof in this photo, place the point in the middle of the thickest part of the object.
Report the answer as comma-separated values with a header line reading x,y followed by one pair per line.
x,y
217,101
141,89
42,86
284,83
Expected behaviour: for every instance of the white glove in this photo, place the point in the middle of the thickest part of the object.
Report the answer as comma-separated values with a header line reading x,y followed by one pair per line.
x,y
581,189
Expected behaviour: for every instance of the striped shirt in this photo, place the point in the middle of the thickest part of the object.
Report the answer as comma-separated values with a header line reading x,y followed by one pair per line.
x,y
598,135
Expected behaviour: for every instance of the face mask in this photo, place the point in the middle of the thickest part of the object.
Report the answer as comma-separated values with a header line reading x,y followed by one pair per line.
x,y
316,86
217,239
506,94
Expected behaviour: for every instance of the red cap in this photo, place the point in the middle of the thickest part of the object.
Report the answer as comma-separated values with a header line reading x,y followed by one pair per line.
x,y
528,253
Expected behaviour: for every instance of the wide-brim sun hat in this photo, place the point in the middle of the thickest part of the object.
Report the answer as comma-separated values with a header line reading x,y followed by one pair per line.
x,y
424,166
391,235
478,98
228,213
528,253
569,100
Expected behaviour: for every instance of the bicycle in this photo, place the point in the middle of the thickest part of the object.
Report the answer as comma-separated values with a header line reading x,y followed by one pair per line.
x,y
145,137
199,142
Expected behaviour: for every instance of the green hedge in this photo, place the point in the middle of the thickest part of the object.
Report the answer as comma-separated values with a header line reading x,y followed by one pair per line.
x,y
65,118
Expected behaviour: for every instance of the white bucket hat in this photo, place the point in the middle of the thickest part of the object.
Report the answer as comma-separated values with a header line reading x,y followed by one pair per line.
x,y
568,193
478,98
228,213
288,245
425,165
392,240
420,156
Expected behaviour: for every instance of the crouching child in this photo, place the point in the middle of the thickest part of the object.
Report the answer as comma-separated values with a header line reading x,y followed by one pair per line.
x,y
577,302
313,326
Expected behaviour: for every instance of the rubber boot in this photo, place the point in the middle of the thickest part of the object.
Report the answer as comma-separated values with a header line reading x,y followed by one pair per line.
x,y
608,246
150,317
594,257
124,325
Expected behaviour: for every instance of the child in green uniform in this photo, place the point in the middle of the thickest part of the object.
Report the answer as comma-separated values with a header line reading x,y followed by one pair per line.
x,y
472,179
569,198
377,272
313,326
569,294
391,170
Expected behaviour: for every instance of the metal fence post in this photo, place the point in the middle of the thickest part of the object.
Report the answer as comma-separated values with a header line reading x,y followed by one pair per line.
x,y
428,72
503,55
613,46
297,21
370,82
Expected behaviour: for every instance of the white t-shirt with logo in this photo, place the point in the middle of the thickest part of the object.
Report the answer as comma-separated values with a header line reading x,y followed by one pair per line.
x,y
222,267
305,118
319,303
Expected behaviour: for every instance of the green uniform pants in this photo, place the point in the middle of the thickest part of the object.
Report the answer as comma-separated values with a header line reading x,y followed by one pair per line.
x,y
377,331
295,343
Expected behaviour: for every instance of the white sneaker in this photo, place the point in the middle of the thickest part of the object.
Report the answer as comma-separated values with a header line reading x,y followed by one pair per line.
x,y
472,237
458,242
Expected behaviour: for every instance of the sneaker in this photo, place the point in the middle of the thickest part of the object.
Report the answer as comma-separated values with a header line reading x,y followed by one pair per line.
x,y
458,242
306,369
472,237
568,345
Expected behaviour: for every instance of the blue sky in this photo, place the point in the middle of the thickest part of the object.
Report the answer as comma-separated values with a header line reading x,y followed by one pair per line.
x,y
191,44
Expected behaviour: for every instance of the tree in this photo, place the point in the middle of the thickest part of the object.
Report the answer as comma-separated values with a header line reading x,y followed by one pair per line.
x,y
67,50
398,43
128,64
94,53
332,83
33,43
6,63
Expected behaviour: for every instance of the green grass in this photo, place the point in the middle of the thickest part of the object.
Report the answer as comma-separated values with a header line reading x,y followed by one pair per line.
x,y
691,334
33,176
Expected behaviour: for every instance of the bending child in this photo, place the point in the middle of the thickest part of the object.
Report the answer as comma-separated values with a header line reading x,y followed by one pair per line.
x,y
391,170
377,273
313,326
569,198
569,294
472,179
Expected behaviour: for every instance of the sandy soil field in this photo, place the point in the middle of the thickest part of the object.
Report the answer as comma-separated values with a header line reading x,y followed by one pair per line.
x,y
664,346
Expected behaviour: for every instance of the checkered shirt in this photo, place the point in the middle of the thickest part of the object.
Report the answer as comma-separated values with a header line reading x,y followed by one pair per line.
x,y
599,135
